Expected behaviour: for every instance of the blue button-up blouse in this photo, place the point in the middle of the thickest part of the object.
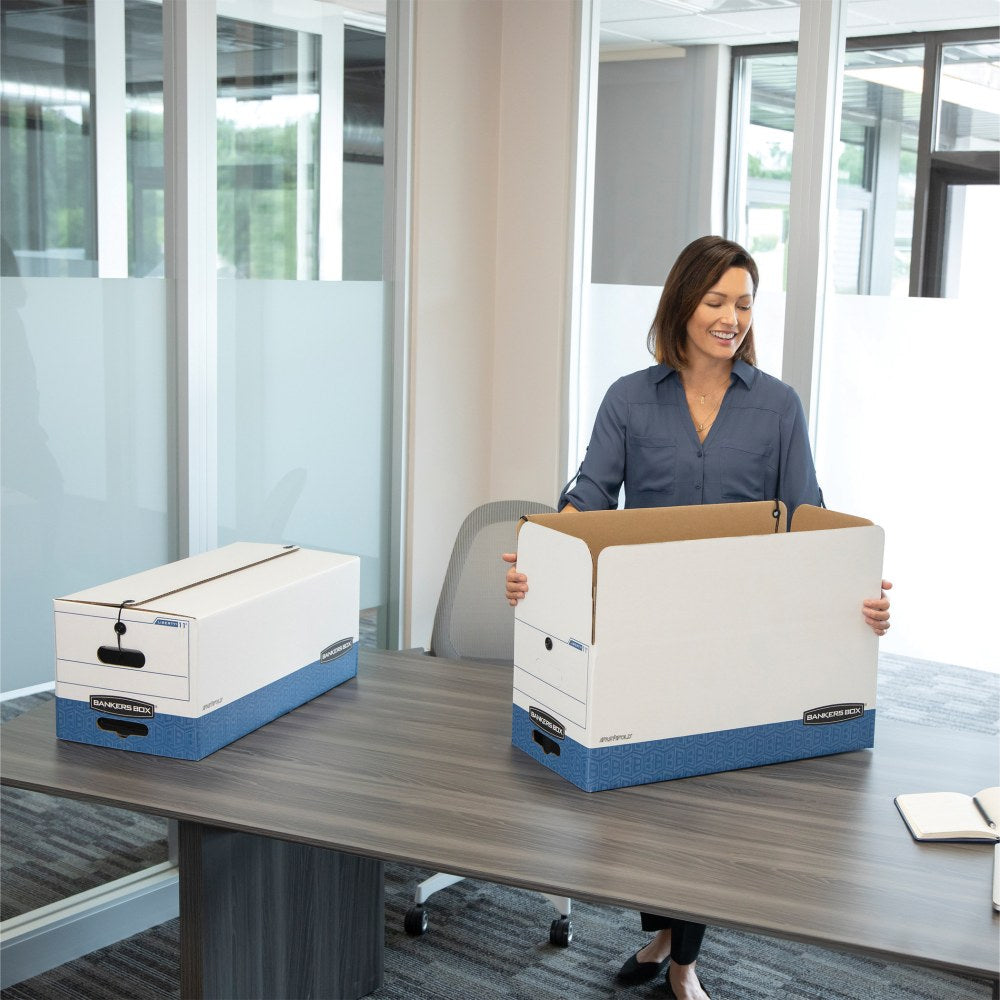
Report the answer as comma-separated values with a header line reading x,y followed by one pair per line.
x,y
757,449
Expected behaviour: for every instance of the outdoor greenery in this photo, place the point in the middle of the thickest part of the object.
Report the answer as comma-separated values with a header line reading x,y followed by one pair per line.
x,y
49,149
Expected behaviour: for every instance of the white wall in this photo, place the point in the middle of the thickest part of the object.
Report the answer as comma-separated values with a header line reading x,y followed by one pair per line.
x,y
493,105
534,244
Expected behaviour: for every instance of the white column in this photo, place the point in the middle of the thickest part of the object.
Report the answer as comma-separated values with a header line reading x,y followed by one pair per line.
x,y
189,99
820,77
397,229
109,130
582,222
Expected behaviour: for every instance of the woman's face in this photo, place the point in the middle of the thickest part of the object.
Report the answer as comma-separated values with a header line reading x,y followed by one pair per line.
x,y
721,320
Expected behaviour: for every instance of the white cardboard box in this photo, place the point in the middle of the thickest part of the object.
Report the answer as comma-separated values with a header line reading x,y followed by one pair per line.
x,y
664,643
180,660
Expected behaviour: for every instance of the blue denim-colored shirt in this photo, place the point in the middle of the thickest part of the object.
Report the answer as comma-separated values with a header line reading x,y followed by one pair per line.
x,y
757,449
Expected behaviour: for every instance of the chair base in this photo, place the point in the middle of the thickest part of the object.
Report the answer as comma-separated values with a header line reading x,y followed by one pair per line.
x,y
416,922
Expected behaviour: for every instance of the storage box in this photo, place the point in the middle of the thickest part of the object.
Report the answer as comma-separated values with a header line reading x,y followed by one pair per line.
x,y
185,658
663,643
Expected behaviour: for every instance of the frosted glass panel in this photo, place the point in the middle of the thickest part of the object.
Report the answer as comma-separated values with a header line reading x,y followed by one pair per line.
x,y
906,438
302,422
87,422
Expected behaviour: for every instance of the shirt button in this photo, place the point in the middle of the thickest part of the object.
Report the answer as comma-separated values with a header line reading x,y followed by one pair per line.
x,y
699,454
698,486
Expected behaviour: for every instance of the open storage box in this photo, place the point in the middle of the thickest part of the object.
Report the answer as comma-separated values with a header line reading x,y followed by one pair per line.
x,y
663,643
180,660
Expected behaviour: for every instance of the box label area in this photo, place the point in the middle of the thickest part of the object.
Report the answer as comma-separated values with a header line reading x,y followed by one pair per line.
x,y
828,714
127,707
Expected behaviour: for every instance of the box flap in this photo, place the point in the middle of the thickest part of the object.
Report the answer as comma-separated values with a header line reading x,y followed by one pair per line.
x,y
603,528
165,581
810,518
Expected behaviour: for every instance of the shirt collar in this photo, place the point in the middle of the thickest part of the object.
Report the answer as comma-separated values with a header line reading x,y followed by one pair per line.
x,y
744,372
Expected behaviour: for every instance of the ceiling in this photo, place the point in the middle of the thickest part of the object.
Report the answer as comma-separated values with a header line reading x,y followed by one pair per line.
x,y
645,24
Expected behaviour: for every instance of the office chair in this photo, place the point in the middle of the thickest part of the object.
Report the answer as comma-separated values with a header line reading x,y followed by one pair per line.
x,y
473,621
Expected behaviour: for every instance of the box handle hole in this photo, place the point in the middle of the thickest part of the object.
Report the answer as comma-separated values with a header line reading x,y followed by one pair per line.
x,y
121,657
123,727
547,744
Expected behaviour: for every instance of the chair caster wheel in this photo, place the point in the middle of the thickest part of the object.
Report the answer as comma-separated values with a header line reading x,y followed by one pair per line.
x,y
561,932
415,921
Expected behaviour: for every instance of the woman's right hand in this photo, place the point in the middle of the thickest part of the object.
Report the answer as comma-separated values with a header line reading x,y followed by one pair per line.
x,y
517,583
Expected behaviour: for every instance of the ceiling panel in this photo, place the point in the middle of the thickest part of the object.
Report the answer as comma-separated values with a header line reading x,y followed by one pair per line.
x,y
749,22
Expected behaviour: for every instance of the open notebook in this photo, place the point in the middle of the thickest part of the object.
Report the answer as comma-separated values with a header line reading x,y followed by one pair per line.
x,y
952,815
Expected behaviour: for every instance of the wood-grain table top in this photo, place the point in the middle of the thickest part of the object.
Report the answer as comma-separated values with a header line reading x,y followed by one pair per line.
x,y
411,761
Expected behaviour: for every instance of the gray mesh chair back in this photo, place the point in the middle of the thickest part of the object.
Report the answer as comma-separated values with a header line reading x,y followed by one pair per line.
x,y
473,620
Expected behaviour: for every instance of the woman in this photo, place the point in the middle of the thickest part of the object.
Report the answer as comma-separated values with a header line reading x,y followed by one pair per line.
x,y
701,426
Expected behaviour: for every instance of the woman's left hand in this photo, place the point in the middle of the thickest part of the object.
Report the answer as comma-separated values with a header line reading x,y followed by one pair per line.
x,y
876,611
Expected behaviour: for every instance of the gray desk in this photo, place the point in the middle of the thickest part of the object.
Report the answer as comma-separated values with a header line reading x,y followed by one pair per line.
x,y
412,762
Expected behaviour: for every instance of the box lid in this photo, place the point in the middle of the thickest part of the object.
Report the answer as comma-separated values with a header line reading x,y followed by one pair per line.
x,y
197,585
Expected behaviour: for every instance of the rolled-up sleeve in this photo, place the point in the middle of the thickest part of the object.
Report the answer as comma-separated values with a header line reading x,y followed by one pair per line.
x,y
797,482
599,481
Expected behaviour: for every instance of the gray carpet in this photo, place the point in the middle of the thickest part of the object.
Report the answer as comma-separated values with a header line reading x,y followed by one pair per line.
x,y
485,941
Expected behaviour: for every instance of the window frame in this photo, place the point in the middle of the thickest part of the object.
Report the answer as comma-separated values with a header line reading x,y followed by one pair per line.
x,y
935,170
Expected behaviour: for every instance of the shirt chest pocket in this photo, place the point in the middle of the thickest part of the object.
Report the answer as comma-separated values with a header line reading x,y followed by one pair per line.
x,y
747,472
650,464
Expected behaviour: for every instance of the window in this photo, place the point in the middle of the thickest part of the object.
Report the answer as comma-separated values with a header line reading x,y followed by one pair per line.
x,y
969,97
876,178
764,86
268,151
144,133
48,214
888,171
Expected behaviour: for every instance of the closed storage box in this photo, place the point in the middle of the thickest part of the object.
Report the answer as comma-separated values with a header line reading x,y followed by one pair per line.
x,y
664,643
180,660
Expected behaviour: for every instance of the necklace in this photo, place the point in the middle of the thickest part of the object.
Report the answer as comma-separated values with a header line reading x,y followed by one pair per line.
x,y
702,422
701,425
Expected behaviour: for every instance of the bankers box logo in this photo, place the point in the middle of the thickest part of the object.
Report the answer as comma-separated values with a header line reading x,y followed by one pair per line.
x,y
827,714
121,706
336,649
545,721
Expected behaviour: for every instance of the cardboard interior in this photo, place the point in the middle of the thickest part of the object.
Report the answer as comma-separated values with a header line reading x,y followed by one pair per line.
x,y
810,518
603,528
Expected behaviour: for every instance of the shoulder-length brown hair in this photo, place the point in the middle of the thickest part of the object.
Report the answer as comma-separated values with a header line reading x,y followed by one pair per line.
x,y
698,267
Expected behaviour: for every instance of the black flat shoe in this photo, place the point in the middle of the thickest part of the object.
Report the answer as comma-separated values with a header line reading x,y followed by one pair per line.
x,y
668,990
634,971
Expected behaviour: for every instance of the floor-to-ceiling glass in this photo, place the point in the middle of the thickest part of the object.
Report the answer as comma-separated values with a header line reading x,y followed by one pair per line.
x,y
905,391
302,362
87,404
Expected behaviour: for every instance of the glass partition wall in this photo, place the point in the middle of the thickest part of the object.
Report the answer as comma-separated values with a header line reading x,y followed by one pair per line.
x,y
918,126
88,407
92,402
302,375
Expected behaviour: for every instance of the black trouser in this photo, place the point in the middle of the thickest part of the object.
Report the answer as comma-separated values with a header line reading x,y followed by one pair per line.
x,y
685,936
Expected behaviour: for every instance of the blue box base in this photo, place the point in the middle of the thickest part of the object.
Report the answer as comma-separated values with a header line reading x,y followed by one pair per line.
x,y
193,739
596,770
